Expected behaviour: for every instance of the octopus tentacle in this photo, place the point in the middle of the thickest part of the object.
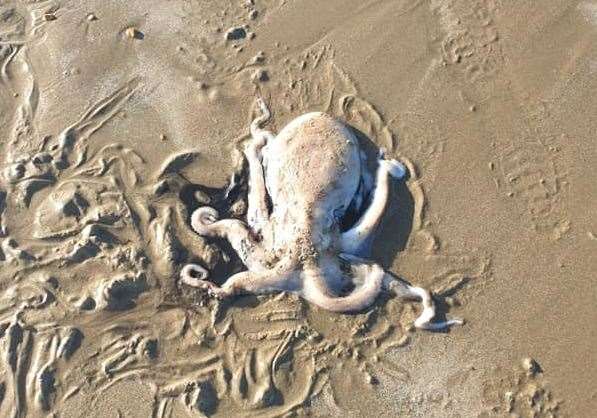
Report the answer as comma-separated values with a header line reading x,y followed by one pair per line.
x,y
195,275
205,222
244,282
256,130
257,211
372,279
316,291
355,240
404,290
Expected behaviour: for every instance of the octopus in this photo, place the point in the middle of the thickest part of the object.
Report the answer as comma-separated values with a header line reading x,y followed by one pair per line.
x,y
302,183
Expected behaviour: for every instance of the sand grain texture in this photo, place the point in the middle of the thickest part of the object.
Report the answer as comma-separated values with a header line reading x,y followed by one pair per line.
x,y
118,119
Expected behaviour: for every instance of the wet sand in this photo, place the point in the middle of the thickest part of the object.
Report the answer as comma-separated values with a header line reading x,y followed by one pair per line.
x,y
119,119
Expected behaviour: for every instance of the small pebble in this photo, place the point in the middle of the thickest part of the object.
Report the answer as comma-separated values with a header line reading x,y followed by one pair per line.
x,y
49,16
235,33
258,58
91,17
370,379
531,366
260,75
133,33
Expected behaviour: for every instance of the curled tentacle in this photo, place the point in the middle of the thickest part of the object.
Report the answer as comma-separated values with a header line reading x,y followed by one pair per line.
x,y
195,275
315,289
191,273
202,218
373,279
404,290
264,117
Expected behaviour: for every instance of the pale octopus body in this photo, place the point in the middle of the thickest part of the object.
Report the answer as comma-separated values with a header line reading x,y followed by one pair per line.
x,y
312,172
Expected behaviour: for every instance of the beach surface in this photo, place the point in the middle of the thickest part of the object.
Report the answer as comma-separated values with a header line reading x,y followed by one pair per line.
x,y
118,119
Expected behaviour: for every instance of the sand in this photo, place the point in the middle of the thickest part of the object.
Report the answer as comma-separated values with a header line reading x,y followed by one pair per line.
x,y
118,119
